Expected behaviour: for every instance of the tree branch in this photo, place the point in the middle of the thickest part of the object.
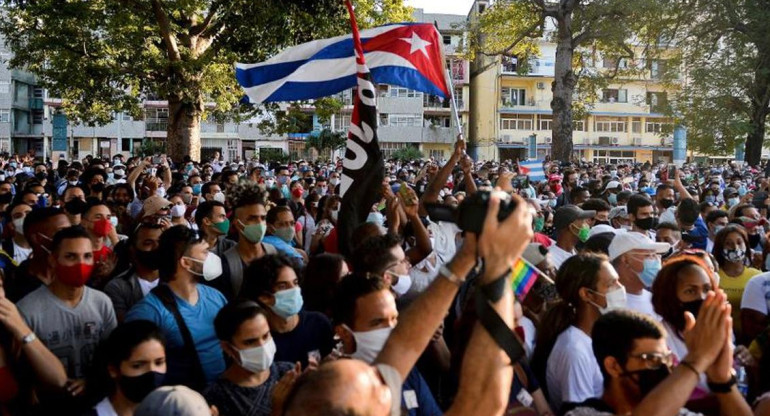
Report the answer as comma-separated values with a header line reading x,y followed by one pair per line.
x,y
533,31
199,28
164,25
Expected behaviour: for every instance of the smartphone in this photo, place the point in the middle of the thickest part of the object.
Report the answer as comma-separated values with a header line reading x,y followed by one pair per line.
x,y
672,171
155,160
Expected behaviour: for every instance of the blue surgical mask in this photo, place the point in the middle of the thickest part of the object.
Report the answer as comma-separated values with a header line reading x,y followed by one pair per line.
x,y
552,203
711,198
650,271
612,199
196,189
376,218
287,302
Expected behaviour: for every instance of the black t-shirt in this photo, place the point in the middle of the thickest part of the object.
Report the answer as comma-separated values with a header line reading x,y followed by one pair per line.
x,y
231,399
313,332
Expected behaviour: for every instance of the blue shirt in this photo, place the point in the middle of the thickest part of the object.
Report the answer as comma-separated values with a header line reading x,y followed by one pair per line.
x,y
199,319
415,387
283,247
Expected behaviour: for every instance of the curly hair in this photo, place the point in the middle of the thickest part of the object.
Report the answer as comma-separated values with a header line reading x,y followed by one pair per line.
x,y
246,193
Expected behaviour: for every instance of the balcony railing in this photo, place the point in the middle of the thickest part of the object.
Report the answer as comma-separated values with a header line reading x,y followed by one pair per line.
x,y
156,126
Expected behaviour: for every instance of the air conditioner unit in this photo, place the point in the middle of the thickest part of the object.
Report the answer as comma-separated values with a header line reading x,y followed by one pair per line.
x,y
548,140
541,85
586,141
506,138
614,141
637,141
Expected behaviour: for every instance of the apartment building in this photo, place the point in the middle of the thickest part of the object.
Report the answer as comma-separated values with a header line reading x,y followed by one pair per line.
x,y
625,124
21,105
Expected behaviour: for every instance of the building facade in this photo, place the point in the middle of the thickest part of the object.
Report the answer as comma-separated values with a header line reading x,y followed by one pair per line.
x,y
625,124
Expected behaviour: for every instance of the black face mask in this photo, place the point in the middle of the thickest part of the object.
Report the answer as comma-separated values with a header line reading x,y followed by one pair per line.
x,y
646,224
6,198
648,379
147,259
693,306
667,203
548,230
40,176
76,206
97,187
754,240
138,387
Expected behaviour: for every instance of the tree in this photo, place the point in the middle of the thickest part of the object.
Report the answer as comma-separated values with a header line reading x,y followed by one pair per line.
x,y
725,102
102,56
581,28
406,154
326,142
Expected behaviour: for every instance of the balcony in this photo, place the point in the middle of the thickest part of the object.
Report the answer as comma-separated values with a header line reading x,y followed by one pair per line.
x,y
156,126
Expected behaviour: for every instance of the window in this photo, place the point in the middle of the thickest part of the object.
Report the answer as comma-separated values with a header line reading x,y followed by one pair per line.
x,y
404,93
5,116
657,101
37,92
382,90
636,125
37,117
5,87
458,70
482,7
125,145
609,62
383,119
513,96
516,122
341,122
437,121
578,125
436,154
657,68
610,124
459,98
510,63
447,39
387,148
405,120
610,95
655,126
545,123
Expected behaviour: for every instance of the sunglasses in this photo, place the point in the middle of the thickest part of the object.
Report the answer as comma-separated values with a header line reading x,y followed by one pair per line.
x,y
655,360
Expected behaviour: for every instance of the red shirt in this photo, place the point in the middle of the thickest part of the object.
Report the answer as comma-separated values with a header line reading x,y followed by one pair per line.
x,y
542,239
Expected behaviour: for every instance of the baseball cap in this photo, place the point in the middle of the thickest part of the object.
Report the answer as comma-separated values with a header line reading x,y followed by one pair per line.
x,y
153,204
534,253
601,228
554,177
611,185
568,214
625,242
621,212
173,400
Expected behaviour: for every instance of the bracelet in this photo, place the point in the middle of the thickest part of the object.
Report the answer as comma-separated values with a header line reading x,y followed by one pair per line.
x,y
691,367
494,290
722,387
26,339
449,275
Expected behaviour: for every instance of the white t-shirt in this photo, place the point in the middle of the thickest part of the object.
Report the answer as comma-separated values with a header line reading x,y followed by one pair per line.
x,y
641,303
709,245
530,332
559,255
756,295
146,285
20,253
669,216
104,408
572,373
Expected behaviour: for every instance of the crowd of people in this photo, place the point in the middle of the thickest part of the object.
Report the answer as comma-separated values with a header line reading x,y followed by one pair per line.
x,y
146,286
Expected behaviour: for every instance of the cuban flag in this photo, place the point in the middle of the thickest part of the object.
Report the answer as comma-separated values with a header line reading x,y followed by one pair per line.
x,y
533,169
409,55
363,169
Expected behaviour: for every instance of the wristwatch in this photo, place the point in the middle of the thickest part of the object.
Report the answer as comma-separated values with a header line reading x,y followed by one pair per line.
x,y
449,275
26,339
723,387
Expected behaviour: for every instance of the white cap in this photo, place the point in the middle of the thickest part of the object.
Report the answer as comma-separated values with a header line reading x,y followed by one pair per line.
x,y
625,242
611,185
601,228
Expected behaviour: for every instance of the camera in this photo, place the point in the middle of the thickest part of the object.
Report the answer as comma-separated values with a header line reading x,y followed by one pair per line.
x,y
470,215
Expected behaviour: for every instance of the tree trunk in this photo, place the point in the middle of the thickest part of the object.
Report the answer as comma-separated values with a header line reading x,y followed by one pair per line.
x,y
184,128
760,100
564,81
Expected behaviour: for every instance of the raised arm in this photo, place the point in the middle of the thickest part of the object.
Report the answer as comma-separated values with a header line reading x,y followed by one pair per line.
x,y
434,186
683,193
423,247
467,166
166,172
134,175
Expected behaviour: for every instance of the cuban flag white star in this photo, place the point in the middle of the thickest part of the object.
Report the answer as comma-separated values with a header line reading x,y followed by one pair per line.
x,y
418,44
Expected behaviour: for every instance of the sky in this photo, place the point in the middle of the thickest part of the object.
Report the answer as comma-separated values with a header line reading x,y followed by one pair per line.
x,y
442,6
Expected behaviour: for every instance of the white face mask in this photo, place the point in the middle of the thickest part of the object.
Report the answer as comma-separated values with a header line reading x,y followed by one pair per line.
x,y
403,285
258,359
178,210
160,192
616,299
370,343
18,225
334,213
219,197
334,181
212,266
269,183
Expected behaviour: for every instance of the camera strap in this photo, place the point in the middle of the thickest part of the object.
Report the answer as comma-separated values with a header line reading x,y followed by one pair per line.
x,y
493,323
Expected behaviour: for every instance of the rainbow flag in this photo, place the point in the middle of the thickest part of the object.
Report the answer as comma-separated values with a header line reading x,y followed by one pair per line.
x,y
523,276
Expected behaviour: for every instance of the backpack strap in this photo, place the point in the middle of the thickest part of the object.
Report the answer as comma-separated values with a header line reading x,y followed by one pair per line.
x,y
163,292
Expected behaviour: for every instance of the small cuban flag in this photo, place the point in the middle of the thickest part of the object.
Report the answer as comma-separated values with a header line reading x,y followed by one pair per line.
x,y
533,169
523,277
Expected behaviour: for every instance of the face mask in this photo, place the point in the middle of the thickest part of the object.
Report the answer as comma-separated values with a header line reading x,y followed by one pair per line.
x,y
538,224
178,210
649,272
334,181
254,232
370,343
711,199
616,299
649,379
222,227
376,218
548,230
718,228
645,224
212,266
286,234
742,190
76,206
119,173
148,259
552,203
297,192
287,302
731,202
666,203
583,232
196,189
40,176
333,214
136,388
693,306
612,199
613,173
102,227
754,239
403,285
97,187
219,197
114,221
258,359
269,183
76,275
734,256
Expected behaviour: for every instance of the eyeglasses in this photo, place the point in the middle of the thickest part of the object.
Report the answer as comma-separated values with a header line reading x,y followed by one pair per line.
x,y
654,360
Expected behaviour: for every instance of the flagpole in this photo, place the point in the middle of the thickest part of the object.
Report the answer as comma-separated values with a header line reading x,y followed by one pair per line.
x,y
454,104
543,275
